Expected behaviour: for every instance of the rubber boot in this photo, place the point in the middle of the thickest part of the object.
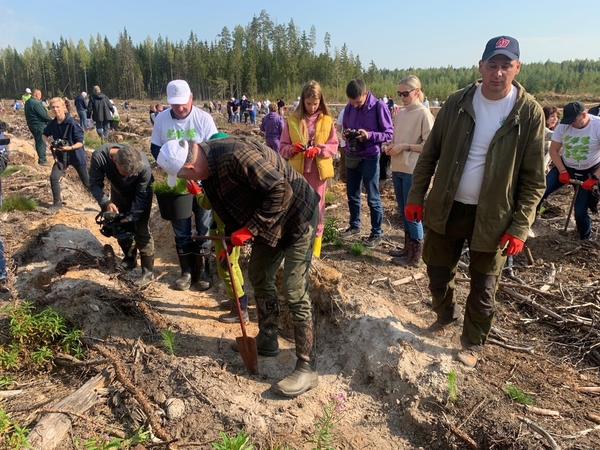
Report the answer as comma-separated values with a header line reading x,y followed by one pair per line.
x,y
304,376
317,246
413,259
186,261
147,263
203,277
232,316
404,250
129,262
267,310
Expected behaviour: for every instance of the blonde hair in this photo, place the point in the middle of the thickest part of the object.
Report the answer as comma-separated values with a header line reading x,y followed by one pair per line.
x,y
414,83
312,89
57,100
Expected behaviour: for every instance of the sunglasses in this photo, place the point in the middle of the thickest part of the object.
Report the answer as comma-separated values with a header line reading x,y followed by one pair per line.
x,y
405,93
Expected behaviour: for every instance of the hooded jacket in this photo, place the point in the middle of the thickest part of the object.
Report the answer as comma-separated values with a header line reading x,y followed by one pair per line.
x,y
100,107
513,183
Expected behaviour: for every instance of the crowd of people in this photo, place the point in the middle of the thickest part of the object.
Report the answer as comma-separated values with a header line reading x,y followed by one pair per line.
x,y
491,175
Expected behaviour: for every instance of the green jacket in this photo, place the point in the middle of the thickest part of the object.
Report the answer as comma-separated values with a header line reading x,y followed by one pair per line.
x,y
514,180
36,115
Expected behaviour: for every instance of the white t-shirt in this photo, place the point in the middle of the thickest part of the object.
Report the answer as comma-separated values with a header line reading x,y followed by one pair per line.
x,y
340,122
198,126
581,146
489,117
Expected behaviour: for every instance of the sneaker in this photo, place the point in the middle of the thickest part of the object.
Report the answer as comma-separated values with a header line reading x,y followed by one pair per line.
x,y
468,357
351,231
44,163
372,241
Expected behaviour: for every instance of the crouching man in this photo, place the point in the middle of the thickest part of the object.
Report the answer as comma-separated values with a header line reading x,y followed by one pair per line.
x,y
128,172
258,196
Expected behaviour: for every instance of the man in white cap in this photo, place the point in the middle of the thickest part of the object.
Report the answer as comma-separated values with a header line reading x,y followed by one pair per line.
x,y
26,96
188,122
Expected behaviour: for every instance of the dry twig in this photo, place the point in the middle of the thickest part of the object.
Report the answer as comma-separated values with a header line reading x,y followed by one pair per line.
x,y
540,431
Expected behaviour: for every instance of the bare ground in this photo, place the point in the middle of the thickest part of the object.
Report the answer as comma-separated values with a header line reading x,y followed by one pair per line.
x,y
371,338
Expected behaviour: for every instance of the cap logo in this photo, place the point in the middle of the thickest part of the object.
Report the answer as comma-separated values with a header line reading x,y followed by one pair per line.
x,y
502,43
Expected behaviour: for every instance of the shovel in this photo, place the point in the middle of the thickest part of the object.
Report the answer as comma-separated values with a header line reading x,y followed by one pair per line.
x,y
246,345
577,184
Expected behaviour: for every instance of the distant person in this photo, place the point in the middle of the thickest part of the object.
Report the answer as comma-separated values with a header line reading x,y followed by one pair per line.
x,y
272,125
551,115
81,106
436,103
411,129
68,153
188,122
426,103
390,104
488,179
115,119
280,106
37,118
575,152
26,96
128,172
67,105
101,112
309,142
339,125
367,125
232,108
243,109
4,154
252,111
16,105
152,113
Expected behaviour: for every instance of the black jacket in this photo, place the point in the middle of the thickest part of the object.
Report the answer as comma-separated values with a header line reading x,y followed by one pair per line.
x,y
100,108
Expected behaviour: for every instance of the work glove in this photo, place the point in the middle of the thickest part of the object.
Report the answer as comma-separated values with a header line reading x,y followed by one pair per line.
x,y
413,212
239,237
589,184
564,177
515,245
193,188
298,148
311,152
222,258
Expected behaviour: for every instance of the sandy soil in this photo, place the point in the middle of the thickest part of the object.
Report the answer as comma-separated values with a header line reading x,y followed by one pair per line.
x,y
371,338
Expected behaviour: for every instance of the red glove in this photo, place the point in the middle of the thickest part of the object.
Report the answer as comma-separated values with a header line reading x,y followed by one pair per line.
x,y
564,177
515,245
222,258
193,188
589,184
298,147
239,237
413,212
311,152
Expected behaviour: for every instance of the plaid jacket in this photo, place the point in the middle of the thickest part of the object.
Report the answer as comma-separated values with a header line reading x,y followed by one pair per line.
x,y
249,185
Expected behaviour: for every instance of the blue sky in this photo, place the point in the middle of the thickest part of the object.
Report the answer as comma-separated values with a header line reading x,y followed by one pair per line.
x,y
391,34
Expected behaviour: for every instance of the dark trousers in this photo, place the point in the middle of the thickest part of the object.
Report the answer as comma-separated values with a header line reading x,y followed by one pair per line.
x,y
143,239
57,172
441,253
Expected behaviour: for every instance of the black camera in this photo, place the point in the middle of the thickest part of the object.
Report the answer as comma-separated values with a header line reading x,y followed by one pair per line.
x,y
59,143
351,136
111,225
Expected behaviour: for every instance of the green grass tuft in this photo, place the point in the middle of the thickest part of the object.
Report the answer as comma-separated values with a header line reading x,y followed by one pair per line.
x,y
518,395
161,187
91,139
358,248
18,203
13,169
452,395
330,198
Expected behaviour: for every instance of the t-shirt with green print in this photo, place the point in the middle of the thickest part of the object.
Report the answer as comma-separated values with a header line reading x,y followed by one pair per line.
x,y
581,146
198,126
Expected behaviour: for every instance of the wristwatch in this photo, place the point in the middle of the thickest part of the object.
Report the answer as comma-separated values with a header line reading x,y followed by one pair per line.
x,y
409,148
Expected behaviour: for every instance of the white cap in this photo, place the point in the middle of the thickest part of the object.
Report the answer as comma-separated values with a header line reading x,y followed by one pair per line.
x,y
28,90
243,97
171,158
84,94
178,92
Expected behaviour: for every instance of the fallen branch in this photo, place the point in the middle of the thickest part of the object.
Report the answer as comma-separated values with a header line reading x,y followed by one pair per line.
x,y
462,435
10,393
588,389
533,303
541,411
541,431
405,280
529,349
581,433
593,417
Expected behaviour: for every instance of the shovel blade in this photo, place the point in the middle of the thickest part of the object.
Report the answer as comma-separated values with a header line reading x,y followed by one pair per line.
x,y
247,348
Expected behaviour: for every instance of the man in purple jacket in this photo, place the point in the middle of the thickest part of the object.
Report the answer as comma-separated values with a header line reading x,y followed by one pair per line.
x,y
367,124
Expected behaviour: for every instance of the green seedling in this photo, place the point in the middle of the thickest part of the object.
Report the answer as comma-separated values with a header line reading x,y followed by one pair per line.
x,y
18,203
168,339
330,198
238,442
330,230
358,248
12,436
106,442
518,395
452,395
161,187
41,355
323,435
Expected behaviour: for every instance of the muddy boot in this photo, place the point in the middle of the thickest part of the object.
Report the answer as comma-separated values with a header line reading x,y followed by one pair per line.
x,y
147,263
267,310
304,376
413,259
186,261
398,253
203,277
232,316
129,262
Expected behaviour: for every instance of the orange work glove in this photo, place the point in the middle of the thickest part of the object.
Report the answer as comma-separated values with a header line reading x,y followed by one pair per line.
x,y
589,184
413,212
193,188
564,177
311,152
239,237
515,245
298,148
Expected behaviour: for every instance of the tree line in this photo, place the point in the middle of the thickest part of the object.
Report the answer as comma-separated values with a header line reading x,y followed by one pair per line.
x,y
260,59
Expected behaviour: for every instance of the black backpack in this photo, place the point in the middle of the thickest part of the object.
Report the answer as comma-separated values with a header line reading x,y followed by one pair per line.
x,y
595,111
